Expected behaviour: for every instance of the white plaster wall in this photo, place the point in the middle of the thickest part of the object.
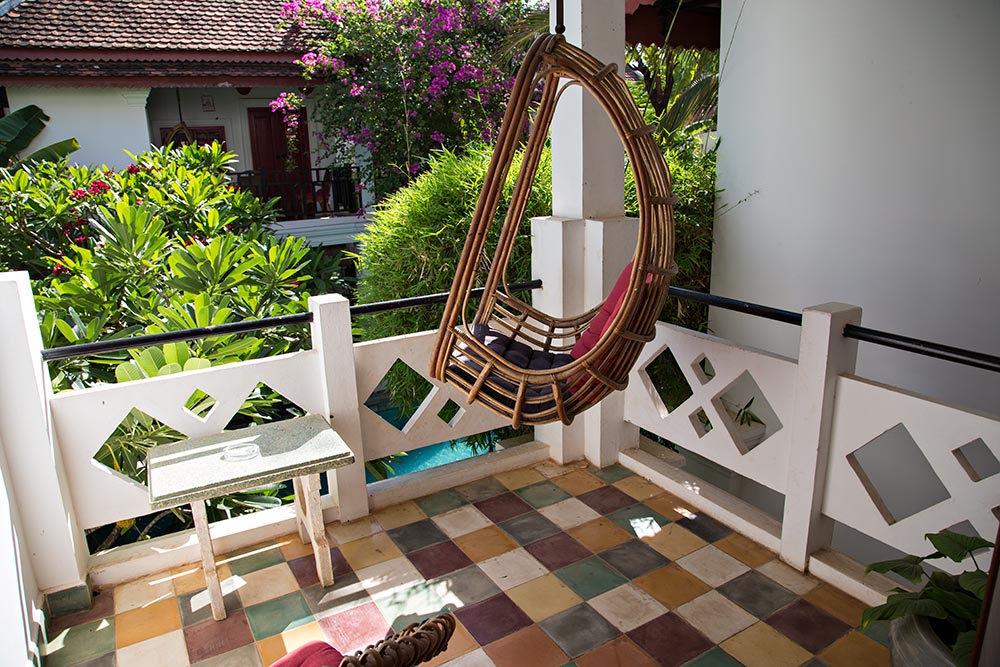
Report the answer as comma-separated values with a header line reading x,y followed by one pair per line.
x,y
868,132
104,120
19,595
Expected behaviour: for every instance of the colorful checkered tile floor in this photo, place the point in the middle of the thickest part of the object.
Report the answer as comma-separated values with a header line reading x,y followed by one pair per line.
x,y
543,567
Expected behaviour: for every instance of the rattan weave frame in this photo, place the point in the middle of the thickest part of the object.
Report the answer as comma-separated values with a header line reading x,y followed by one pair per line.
x,y
576,386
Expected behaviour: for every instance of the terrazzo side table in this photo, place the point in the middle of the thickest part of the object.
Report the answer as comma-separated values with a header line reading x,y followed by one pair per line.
x,y
196,469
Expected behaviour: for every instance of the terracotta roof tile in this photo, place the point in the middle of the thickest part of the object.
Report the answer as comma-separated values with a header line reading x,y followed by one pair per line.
x,y
172,25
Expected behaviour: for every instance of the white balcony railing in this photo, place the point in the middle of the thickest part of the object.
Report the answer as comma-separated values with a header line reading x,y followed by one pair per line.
x,y
834,445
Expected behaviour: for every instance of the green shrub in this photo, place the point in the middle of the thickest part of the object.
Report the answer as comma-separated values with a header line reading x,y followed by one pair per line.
x,y
165,244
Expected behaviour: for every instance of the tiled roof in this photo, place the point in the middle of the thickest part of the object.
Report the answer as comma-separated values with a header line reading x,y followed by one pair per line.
x,y
218,71
161,25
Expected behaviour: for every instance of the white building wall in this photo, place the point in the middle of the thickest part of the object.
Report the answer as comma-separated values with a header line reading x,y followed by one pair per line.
x,y
104,120
866,134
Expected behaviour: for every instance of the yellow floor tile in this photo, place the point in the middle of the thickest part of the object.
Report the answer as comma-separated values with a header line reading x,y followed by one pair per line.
x,y
577,482
460,643
188,579
517,479
370,550
342,533
400,515
291,547
856,649
271,650
837,603
552,469
271,582
485,543
668,505
543,597
674,541
672,585
745,550
599,534
143,592
136,625
638,488
760,645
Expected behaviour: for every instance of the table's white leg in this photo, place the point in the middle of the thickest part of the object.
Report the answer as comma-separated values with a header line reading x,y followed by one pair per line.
x,y
208,559
300,509
317,529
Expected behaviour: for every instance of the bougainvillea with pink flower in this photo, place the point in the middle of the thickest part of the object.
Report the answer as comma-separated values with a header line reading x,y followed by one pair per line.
x,y
400,78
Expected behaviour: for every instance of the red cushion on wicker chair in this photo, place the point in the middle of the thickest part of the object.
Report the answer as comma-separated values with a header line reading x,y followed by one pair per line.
x,y
603,319
313,654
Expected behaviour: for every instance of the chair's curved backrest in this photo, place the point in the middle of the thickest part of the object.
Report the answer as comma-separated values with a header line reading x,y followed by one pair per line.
x,y
466,353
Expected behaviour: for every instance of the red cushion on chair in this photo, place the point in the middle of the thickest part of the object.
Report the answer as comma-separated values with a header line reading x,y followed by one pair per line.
x,y
313,654
603,319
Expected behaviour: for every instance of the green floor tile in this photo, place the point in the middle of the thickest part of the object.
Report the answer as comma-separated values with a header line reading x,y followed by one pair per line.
x,y
277,615
639,520
441,502
590,577
80,643
612,474
542,494
714,658
251,562
879,631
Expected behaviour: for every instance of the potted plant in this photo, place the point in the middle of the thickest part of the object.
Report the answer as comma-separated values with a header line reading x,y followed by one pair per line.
x,y
935,625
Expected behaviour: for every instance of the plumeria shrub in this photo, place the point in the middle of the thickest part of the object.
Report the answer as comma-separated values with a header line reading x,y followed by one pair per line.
x,y
403,77
167,243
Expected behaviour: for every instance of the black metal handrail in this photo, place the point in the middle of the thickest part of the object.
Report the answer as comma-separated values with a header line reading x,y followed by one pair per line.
x,y
304,192
119,344
915,345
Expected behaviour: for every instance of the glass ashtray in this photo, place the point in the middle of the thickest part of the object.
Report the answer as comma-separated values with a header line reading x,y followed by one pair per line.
x,y
243,451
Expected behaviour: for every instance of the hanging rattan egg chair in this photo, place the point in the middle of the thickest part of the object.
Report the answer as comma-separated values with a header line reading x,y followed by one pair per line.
x,y
528,366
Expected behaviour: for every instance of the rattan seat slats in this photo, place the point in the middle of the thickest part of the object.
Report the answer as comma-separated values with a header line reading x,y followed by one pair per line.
x,y
490,373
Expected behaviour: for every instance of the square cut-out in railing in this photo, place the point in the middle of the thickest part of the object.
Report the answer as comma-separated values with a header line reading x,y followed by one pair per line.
x,y
264,405
399,395
667,379
200,405
451,413
896,496
703,369
746,413
977,460
701,423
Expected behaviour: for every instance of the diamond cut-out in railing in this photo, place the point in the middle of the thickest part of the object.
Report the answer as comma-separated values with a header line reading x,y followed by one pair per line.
x,y
965,528
977,460
703,369
876,463
667,378
264,405
701,423
746,413
451,413
200,405
399,395
124,451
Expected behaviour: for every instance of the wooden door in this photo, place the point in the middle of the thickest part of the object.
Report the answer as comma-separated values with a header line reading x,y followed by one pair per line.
x,y
269,151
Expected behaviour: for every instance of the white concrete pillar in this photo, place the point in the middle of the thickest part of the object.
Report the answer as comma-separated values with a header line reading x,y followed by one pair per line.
x,y
580,250
587,174
331,337
55,542
824,354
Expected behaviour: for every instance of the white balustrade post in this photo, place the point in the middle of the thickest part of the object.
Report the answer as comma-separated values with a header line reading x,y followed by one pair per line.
x,y
55,541
824,354
331,337
579,251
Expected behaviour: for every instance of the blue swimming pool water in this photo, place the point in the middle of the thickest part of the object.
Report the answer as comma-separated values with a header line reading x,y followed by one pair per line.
x,y
427,457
